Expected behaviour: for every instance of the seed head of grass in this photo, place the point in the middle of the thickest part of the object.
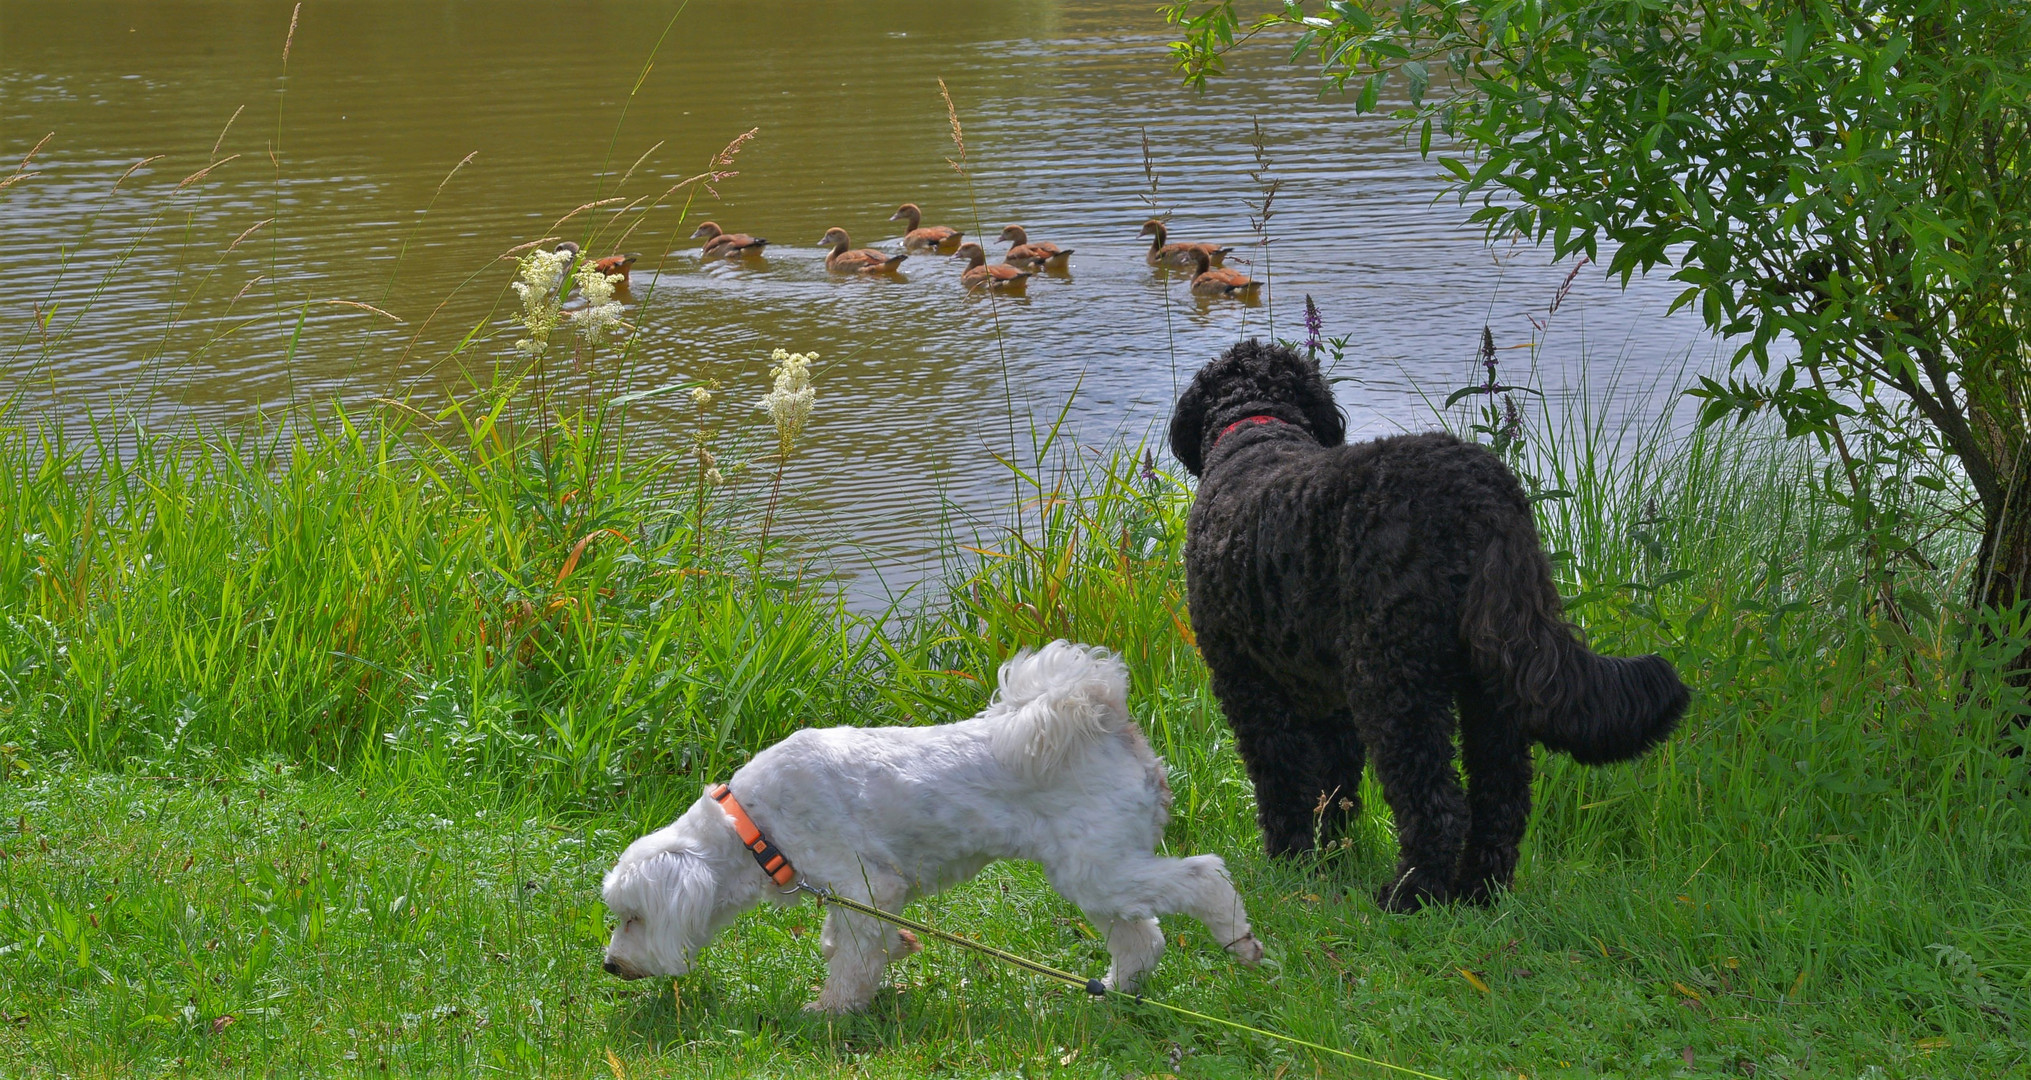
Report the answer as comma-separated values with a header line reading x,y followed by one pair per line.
x,y
721,167
1152,197
958,133
289,39
726,156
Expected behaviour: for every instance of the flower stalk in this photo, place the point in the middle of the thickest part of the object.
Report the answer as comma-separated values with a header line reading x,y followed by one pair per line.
x,y
789,406
708,467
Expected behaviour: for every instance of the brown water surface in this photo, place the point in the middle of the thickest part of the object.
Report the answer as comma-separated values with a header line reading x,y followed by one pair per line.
x,y
185,292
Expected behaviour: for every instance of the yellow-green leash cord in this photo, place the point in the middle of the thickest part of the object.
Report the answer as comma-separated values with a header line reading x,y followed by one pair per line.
x,y
1091,986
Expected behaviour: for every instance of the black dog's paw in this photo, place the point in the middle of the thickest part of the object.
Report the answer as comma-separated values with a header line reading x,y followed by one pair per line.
x,y
1287,845
1482,882
1413,892
1481,893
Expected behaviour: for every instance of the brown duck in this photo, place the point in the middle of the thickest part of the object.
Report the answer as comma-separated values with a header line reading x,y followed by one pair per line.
x,y
978,275
922,237
611,265
1037,256
727,245
1177,256
1207,281
857,260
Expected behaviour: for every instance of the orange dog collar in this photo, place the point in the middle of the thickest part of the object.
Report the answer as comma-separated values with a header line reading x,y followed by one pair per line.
x,y
772,861
1245,421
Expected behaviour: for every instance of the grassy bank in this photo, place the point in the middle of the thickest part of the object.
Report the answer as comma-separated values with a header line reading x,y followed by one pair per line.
x,y
318,745
492,592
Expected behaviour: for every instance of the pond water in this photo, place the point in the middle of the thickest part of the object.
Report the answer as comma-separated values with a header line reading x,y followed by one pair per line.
x,y
179,292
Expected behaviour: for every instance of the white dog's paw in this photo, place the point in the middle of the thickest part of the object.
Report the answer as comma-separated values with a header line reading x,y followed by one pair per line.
x,y
1246,949
829,1005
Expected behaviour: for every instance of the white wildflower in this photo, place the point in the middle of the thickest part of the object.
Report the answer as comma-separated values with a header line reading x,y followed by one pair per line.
x,y
712,476
789,404
701,396
538,274
601,312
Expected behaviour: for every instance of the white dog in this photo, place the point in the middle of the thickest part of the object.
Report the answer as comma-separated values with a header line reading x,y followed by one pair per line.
x,y
1054,771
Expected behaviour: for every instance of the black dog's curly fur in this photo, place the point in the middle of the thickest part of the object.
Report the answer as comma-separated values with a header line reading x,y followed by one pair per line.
x,y
1346,598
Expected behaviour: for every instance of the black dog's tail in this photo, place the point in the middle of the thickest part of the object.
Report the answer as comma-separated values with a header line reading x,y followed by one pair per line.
x,y
1596,708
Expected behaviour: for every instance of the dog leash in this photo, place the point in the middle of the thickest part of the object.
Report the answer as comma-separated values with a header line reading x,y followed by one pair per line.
x,y
1092,986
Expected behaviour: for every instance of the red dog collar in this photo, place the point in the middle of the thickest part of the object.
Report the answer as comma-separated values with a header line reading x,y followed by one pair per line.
x,y
1244,422
772,861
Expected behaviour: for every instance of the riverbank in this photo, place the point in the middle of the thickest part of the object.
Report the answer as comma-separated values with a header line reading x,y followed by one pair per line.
x,y
317,750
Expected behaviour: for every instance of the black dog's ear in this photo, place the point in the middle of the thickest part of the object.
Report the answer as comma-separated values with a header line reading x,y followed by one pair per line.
x,y
1322,413
1188,422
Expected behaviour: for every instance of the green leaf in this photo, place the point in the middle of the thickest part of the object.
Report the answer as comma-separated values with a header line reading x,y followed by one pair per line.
x,y
1420,77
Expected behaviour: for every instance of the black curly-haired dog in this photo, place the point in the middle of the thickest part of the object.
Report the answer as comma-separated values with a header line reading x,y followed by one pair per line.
x,y
1346,599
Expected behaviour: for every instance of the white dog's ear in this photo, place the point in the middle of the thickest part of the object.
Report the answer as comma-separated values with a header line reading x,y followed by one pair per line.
x,y
673,893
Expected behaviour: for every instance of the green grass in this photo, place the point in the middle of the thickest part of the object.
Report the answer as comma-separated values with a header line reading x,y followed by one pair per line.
x,y
335,736
341,933
437,598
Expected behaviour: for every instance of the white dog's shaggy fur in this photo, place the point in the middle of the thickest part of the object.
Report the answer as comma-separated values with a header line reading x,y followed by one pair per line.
x,y
1054,771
